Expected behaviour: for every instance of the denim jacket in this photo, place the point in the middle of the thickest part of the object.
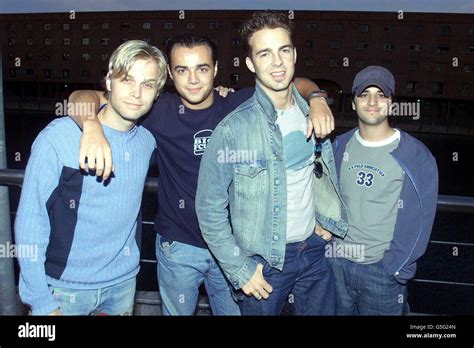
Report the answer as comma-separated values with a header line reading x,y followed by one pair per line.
x,y
241,197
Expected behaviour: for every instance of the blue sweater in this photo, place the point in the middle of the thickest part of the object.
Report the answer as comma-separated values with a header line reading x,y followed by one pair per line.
x,y
84,229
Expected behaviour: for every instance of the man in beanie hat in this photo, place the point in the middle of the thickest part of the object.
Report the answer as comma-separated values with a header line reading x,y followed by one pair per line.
x,y
389,183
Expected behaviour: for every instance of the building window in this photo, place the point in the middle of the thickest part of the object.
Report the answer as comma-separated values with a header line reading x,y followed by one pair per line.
x,y
438,88
336,44
415,48
85,26
85,57
190,26
85,40
104,57
442,48
413,66
308,61
47,26
30,72
309,44
124,39
418,28
468,68
29,41
166,42
47,73
234,79
29,26
11,42
66,73
66,41
363,28
388,47
66,26
125,25
411,86
29,56
360,63
66,56
84,73
470,49
236,42
146,25
390,29
362,45
334,62
168,26
104,41
213,25
387,64
12,73
47,41
440,67
445,29
466,89
11,27
338,27
311,26
104,25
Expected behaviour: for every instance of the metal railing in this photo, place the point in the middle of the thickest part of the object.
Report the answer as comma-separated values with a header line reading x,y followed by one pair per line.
x,y
453,204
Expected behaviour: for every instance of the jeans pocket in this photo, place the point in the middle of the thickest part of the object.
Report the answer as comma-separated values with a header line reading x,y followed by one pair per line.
x,y
166,245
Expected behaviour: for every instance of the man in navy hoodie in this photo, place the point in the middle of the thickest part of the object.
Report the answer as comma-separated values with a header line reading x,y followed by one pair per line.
x,y
389,183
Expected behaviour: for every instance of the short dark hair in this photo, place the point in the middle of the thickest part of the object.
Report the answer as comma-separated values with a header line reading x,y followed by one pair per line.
x,y
261,20
190,40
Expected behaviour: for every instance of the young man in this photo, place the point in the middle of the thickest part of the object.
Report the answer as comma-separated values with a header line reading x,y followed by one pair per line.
x,y
258,199
182,124
84,228
389,182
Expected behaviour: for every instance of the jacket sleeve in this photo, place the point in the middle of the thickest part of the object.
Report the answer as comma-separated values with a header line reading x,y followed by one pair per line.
x,y
212,200
429,199
32,227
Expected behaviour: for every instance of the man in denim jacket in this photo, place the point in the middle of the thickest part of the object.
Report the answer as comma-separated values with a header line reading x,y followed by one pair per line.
x,y
259,204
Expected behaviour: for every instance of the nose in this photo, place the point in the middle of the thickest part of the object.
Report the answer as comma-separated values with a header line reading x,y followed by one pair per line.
x,y
136,91
193,78
277,61
373,100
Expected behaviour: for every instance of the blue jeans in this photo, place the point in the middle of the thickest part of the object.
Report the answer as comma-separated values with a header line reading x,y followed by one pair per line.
x,y
306,281
182,268
367,289
113,300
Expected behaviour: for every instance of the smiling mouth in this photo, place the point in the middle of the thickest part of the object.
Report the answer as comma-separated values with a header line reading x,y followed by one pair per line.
x,y
133,105
278,75
194,90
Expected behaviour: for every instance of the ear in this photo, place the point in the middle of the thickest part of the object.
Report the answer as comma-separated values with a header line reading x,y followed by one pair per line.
x,y
157,95
215,68
353,105
108,82
169,71
249,63
294,53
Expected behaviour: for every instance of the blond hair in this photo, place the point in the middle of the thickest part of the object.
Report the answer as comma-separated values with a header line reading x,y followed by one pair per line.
x,y
123,58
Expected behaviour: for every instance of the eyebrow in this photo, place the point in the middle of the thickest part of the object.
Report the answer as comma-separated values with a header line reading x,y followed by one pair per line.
x,y
280,48
132,78
187,67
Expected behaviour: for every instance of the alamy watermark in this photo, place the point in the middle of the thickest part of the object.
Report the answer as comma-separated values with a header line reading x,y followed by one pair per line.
x,y
405,109
79,109
353,251
29,251
237,156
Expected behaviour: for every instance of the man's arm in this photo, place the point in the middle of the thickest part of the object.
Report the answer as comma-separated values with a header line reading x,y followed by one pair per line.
x,y
94,144
321,119
32,227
